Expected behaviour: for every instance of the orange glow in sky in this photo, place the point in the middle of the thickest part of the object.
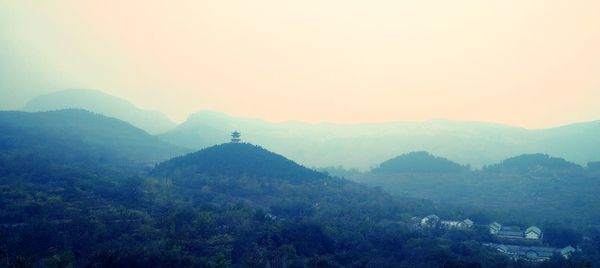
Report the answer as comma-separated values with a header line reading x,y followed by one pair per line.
x,y
527,63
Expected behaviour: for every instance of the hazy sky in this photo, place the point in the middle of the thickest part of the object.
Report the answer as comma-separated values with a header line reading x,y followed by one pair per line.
x,y
528,63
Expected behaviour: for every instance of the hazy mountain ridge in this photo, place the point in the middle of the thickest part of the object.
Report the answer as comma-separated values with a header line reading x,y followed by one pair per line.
x,y
361,146
532,187
73,133
418,162
151,121
227,205
529,162
365,145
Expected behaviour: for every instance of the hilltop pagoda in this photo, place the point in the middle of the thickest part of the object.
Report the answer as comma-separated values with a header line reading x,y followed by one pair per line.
x,y
235,137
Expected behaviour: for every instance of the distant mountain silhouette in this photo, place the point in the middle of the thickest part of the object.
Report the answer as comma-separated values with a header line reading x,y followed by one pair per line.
x,y
532,162
418,162
361,146
153,122
364,146
69,137
201,130
237,159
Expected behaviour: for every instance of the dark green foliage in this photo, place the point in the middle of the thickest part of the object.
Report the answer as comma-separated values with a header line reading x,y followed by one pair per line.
x,y
527,198
98,102
237,159
533,162
37,142
418,162
527,189
365,145
189,219
340,171
232,205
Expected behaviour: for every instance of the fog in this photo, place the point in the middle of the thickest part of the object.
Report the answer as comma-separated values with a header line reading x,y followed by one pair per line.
x,y
313,133
532,64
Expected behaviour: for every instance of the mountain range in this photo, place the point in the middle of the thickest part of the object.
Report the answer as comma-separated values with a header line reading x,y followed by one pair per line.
x,y
531,187
153,122
79,188
69,137
68,200
361,146
417,162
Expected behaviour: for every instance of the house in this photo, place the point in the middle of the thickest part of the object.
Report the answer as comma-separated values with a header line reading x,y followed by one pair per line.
x,y
450,224
567,251
495,228
536,254
533,232
502,248
430,221
515,232
467,223
510,232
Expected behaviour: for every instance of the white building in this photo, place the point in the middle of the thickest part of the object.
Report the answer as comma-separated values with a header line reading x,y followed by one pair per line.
x,y
464,224
534,254
515,232
567,251
467,223
450,224
430,221
533,232
495,228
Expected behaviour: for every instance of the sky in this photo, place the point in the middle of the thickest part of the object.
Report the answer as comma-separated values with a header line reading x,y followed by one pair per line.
x,y
530,63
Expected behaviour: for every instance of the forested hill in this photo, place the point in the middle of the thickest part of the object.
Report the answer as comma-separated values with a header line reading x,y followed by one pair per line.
x,y
533,162
231,205
417,162
75,136
536,188
363,146
99,102
237,159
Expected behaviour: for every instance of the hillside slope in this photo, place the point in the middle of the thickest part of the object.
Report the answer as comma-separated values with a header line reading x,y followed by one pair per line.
x,y
237,159
532,187
76,136
153,122
419,162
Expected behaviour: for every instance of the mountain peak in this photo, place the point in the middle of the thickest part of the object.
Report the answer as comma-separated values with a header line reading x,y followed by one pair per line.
x,y
78,136
418,162
239,159
97,101
531,162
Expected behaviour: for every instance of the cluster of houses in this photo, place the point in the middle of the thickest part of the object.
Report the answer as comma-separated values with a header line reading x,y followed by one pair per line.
x,y
529,236
433,221
530,253
515,232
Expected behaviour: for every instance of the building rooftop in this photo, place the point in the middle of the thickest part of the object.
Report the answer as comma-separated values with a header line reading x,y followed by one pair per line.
x,y
530,253
534,229
508,233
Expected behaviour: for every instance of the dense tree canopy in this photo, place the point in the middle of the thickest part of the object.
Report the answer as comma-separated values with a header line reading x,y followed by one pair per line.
x,y
65,202
237,159
419,162
533,162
